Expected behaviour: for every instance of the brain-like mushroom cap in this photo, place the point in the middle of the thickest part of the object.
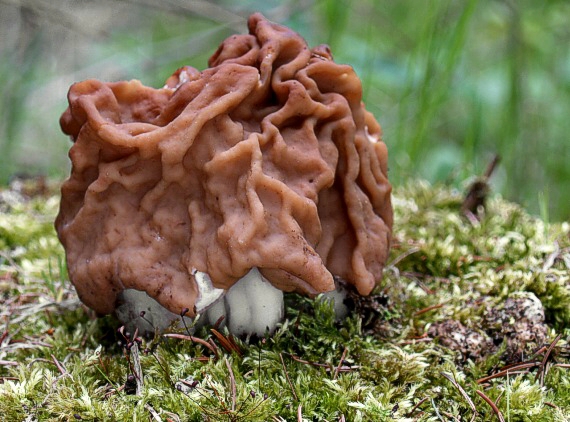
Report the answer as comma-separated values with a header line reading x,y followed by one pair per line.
x,y
266,159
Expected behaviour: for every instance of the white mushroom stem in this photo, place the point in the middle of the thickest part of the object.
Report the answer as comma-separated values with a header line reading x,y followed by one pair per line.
x,y
251,306
337,297
208,294
140,311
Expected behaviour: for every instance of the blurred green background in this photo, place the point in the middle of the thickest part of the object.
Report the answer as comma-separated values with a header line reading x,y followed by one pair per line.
x,y
451,82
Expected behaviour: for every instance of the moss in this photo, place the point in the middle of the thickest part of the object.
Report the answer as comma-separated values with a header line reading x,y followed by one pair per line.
x,y
58,362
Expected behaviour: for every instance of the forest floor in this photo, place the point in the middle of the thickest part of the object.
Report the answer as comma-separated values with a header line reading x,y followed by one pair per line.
x,y
471,323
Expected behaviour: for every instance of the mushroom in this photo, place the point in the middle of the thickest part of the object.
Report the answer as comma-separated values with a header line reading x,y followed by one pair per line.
x,y
263,172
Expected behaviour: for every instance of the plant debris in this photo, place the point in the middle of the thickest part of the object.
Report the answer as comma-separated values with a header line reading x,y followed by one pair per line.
x,y
476,197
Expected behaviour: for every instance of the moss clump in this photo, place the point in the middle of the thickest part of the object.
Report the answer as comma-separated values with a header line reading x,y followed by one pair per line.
x,y
503,277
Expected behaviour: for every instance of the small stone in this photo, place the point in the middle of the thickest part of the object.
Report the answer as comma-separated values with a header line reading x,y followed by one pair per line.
x,y
471,344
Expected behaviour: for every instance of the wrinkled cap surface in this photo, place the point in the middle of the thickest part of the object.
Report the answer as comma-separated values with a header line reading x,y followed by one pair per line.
x,y
266,159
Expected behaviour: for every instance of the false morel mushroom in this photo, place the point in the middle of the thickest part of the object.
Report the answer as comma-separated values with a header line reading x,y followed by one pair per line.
x,y
265,169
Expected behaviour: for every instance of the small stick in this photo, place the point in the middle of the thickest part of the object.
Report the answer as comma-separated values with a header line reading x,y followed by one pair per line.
x,y
33,361
450,416
153,412
226,342
491,167
232,384
478,191
306,362
543,367
538,352
418,404
429,308
288,379
519,365
404,255
137,369
215,348
300,413
436,410
512,370
59,366
193,339
3,336
337,370
422,285
562,365
461,390
32,342
493,405
323,365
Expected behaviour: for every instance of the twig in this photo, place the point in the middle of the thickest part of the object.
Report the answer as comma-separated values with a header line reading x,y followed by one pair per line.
x,y
511,370
404,255
326,367
450,416
421,284
153,412
3,337
33,361
214,347
28,310
461,390
59,366
436,410
300,413
478,191
227,342
418,404
137,369
193,339
288,379
491,167
8,363
337,370
232,384
540,351
429,308
541,374
493,405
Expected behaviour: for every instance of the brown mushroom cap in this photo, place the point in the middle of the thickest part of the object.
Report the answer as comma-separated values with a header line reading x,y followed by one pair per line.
x,y
266,159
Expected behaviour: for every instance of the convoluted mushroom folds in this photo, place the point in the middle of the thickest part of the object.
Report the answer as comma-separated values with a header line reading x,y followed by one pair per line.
x,y
266,165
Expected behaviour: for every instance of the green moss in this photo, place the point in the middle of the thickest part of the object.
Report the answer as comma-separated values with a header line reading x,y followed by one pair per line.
x,y
60,363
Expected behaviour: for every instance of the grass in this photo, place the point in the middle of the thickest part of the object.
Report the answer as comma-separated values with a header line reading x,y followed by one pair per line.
x,y
502,283
451,82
